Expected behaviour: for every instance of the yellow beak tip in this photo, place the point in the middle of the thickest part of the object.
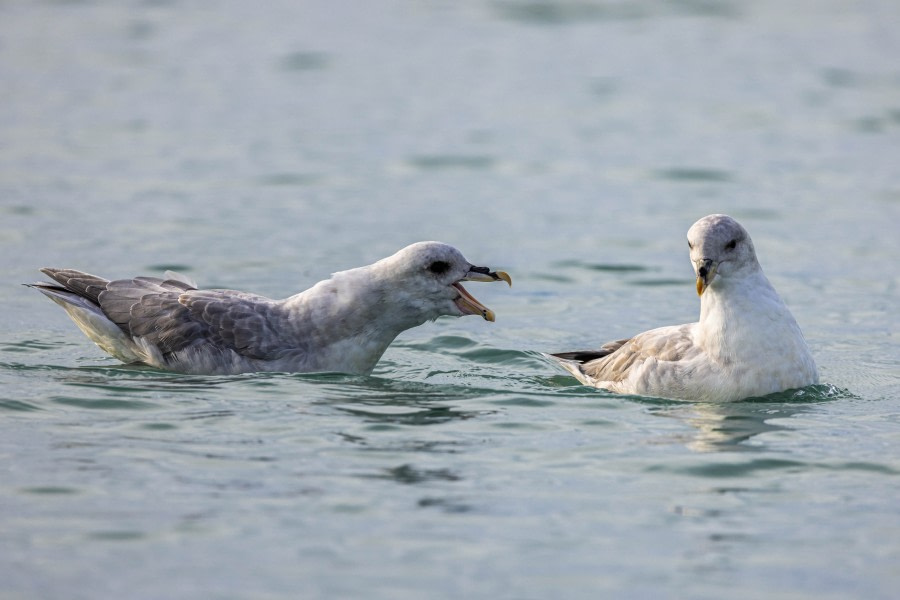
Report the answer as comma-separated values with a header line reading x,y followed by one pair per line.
x,y
505,277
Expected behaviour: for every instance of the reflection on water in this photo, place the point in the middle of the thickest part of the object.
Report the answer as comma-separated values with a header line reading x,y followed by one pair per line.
x,y
731,427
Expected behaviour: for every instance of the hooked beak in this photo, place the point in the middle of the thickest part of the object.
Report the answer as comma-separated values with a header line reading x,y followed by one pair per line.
x,y
706,272
466,302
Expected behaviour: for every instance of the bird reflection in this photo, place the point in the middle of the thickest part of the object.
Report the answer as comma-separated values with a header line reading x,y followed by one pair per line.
x,y
731,427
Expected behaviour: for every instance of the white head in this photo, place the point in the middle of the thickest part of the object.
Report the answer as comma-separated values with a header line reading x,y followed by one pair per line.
x,y
720,248
425,277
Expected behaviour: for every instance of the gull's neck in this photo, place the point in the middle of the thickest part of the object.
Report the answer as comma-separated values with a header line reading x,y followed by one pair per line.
x,y
351,318
734,310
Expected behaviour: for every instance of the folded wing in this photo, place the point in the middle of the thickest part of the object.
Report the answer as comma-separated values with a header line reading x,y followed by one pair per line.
x,y
173,317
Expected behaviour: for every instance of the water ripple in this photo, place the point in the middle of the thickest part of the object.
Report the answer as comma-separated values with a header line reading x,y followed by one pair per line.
x,y
305,61
716,470
443,162
26,346
605,267
731,469
408,474
701,175
104,403
18,405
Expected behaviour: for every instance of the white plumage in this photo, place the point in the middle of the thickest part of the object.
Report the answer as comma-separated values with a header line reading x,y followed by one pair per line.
x,y
343,324
745,344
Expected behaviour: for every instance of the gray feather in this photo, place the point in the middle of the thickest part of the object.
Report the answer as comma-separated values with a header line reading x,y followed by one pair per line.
x,y
173,316
344,323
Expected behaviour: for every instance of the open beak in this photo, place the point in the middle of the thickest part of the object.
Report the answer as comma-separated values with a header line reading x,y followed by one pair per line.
x,y
466,302
706,272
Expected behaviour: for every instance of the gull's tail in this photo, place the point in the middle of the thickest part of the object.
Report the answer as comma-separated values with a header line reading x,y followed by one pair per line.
x,y
574,362
79,295
570,365
73,289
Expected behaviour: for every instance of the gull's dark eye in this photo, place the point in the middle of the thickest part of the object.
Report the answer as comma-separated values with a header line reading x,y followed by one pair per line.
x,y
439,267
731,245
690,245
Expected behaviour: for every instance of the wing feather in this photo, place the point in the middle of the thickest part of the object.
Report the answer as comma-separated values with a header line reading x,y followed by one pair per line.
x,y
208,320
81,284
172,315
665,344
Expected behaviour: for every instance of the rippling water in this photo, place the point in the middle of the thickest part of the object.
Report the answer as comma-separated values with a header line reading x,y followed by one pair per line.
x,y
570,143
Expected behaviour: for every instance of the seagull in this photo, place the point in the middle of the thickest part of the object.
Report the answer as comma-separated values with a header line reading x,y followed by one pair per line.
x,y
746,343
342,324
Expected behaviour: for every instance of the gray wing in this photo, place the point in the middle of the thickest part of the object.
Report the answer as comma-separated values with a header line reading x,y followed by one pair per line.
x,y
662,345
197,319
173,316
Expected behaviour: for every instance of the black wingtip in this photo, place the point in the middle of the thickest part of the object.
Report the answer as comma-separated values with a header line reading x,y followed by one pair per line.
x,y
582,356
43,285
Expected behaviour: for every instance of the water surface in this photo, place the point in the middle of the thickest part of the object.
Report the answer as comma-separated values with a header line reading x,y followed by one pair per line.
x,y
570,143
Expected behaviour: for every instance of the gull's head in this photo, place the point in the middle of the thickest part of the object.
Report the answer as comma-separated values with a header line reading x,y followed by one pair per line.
x,y
720,249
428,277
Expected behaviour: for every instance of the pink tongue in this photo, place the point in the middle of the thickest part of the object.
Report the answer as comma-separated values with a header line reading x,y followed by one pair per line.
x,y
465,307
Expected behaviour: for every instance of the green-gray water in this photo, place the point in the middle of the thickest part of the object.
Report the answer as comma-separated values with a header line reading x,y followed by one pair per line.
x,y
263,146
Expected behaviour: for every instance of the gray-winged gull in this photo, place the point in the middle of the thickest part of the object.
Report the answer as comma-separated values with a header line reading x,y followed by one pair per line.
x,y
746,343
343,324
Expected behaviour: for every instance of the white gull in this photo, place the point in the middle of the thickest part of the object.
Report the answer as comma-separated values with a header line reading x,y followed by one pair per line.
x,y
746,343
342,324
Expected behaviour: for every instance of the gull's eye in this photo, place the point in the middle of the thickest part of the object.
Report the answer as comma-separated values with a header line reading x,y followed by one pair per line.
x,y
439,267
690,245
731,245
